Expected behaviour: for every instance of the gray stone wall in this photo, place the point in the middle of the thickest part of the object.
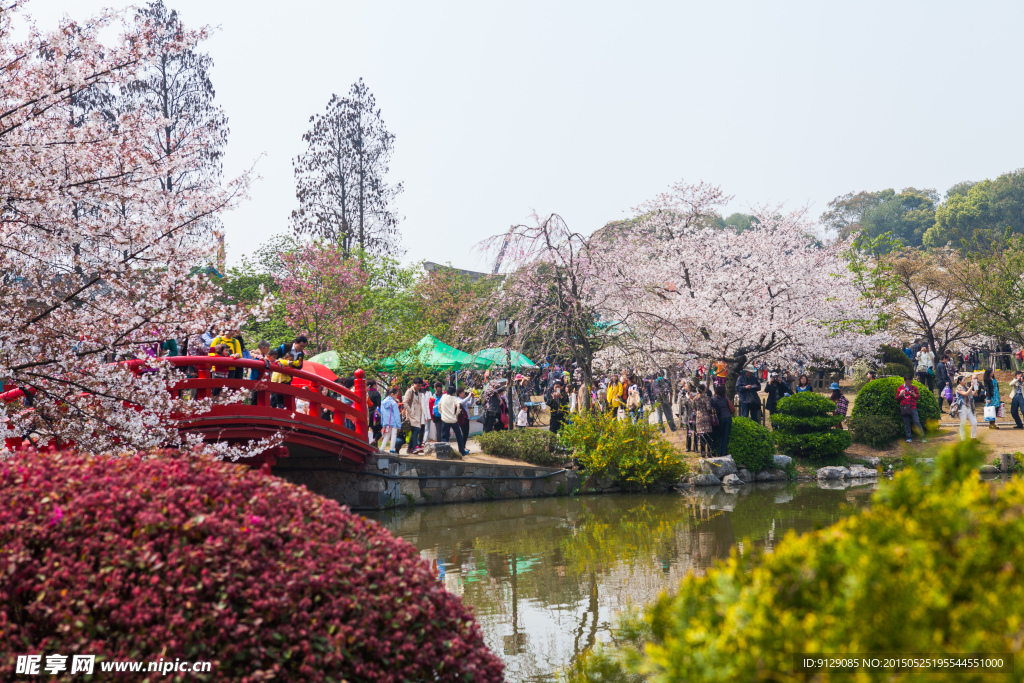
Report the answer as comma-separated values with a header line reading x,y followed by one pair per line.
x,y
389,481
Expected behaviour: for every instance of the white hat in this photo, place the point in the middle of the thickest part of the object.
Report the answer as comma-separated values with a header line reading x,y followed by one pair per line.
x,y
749,368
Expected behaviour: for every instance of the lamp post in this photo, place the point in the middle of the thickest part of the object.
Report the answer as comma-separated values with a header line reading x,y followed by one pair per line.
x,y
506,328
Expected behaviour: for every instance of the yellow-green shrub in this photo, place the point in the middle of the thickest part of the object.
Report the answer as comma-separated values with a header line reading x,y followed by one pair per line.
x,y
934,566
634,455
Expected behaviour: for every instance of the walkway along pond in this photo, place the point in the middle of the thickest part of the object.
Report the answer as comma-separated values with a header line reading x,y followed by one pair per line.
x,y
546,577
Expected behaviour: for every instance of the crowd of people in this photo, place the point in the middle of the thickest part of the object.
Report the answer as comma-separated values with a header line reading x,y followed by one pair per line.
x,y
697,399
954,377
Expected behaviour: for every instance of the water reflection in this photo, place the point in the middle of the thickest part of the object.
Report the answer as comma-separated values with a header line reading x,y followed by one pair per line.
x,y
546,577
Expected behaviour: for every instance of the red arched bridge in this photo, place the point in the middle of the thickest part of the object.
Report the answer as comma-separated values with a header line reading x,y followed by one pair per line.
x,y
313,415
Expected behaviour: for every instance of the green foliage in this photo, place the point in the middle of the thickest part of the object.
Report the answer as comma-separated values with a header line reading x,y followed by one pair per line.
x,y
874,430
860,372
806,404
248,283
737,221
907,215
634,455
794,424
823,447
992,276
750,445
896,370
892,355
535,446
932,566
878,398
979,211
804,426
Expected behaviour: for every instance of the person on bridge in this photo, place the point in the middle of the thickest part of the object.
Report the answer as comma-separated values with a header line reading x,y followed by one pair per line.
x,y
373,404
390,419
293,354
414,413
231,338
449,407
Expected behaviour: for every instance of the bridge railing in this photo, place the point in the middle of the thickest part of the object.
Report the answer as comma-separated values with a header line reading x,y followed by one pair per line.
x,y
349,405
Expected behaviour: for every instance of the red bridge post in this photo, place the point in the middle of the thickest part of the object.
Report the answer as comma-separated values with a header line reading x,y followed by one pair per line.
x,y
359,387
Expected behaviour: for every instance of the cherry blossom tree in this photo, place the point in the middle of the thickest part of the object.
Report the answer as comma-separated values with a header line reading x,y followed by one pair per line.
x,y
98,262
322,293
682,289
548,290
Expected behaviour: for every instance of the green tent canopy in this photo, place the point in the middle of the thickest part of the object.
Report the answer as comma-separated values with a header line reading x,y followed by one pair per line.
x,y
499,356
434,354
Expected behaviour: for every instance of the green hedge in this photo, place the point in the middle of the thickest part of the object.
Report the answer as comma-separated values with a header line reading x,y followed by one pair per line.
x,y
804,426
932,566
878,398
874,430
750,445
890,354
824,447
535,446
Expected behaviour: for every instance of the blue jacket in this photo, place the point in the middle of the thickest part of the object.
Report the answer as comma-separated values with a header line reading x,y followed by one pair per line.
x,y
390,414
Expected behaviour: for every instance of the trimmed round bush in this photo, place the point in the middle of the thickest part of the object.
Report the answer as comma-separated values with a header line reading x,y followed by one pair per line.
x,y
874,430
750,445
161,555
878,398
535,446
806,404
804,426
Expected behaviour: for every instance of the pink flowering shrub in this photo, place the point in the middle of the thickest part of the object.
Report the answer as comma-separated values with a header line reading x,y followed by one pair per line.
x,y
174,556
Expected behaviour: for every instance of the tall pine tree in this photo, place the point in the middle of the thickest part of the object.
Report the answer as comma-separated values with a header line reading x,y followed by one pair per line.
x,y
177,87
340,180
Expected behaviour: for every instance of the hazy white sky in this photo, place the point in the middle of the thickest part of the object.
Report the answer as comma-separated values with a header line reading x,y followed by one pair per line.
x,y
588,108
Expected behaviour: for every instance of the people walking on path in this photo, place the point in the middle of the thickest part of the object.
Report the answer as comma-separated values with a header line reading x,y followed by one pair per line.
x,y
449,408
992,399
414,413
966,393
1017,399
926,367
390,419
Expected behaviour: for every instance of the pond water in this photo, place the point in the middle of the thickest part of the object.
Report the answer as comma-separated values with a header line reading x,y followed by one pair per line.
x,y
547,577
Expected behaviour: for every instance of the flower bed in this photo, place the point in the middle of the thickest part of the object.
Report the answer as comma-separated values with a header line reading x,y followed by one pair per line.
x,y
162,555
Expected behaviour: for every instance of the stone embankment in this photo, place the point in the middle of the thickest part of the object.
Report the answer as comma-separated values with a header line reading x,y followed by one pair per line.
x,y
386,480
723,470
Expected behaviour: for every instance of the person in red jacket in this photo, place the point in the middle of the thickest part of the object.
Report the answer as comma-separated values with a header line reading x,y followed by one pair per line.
x,y
907,396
